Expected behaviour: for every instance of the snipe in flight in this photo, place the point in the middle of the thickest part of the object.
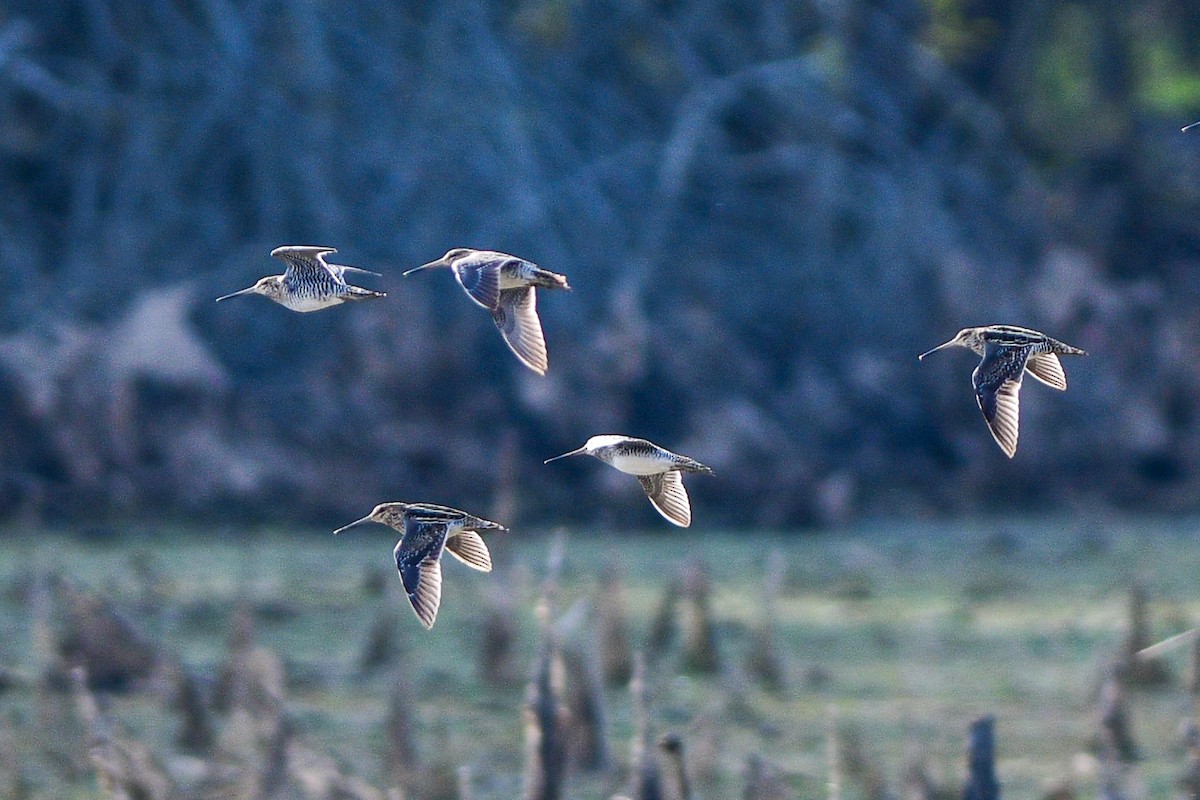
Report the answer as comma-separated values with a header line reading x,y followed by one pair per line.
x,y
1008,353
309,283
426,530
506,286
658,470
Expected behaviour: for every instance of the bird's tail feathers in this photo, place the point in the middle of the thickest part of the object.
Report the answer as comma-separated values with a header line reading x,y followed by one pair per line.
x,y
692,465
1068,350
550,280
358,293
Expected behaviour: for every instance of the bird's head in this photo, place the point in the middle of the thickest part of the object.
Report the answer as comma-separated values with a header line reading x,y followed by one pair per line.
x,y
589,447
965,338
270,286
390,514
447,260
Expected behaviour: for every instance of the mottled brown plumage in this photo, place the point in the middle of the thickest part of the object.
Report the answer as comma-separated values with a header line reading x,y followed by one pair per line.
x,y
1008,353
426,530
505,286
657,469
309,283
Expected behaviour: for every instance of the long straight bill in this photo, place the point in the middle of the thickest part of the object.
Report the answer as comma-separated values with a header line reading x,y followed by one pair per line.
x,y
934,350
247,290
430,265
574,452
352,524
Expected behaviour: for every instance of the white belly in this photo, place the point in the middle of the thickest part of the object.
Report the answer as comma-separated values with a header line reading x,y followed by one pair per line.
x,y
639,465
306,304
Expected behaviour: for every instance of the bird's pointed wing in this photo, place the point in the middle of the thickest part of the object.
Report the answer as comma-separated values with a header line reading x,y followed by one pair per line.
x,y
339,271
1048,369
309,263
480,279
516,317
469,548
304,262
997,382
418,559
670,499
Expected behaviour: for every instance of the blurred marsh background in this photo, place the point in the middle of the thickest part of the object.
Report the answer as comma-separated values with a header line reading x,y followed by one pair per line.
x,y
766,210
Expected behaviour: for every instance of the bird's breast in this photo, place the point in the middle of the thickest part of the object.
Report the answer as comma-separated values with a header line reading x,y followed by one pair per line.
x,y
639,465
306,304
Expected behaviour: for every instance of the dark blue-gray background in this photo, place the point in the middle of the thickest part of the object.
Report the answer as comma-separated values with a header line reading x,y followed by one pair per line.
x,y
766,210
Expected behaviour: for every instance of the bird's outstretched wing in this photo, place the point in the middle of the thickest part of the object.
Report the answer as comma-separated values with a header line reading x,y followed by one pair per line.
x,y
308,263
997,382
1048,369
339,271
469,548
668,496
479,276
418,559
304,262
516,317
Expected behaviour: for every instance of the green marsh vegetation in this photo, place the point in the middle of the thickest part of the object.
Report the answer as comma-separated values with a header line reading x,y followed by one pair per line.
x,y
896,636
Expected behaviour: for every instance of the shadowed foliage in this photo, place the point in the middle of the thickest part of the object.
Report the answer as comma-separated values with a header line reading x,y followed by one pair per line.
x,y
981,761
765,215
